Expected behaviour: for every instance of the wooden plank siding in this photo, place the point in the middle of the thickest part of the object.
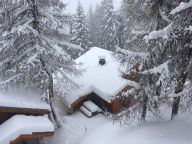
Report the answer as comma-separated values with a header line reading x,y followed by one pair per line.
x,y
23,110
113,107
94,98
25,137
8,112
78,103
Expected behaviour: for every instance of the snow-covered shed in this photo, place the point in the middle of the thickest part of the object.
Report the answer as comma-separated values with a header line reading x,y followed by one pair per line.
x,y
21,102
21,114
101,82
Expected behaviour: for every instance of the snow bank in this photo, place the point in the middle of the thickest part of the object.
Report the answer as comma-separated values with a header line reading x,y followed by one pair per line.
x,y
164,132
106,80
22,99
181,7
20,124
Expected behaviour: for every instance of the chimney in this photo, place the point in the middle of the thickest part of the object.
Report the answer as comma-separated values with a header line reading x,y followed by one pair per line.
x,y
102,60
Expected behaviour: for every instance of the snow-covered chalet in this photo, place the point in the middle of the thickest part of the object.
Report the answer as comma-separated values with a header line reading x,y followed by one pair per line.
x,y
102,82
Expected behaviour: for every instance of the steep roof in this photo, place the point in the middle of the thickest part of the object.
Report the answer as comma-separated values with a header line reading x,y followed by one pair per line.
x,y
104,80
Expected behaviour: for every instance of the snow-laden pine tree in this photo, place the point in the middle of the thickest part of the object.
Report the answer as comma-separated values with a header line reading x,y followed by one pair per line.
x,y
171,48
108,27
166,72
81,35
33,40
91,26
96,22
138,20
120,30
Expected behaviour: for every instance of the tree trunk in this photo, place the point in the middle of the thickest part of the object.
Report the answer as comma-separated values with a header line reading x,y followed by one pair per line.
x,y
35,15
50,78
181,81
51,92
176,100
144,111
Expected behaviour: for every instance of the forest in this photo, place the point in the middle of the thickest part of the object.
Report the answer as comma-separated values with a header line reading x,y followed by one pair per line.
x,y
40,42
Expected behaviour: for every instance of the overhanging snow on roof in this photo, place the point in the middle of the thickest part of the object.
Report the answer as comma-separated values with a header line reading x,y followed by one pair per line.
x,y
22,99
20,125
104,80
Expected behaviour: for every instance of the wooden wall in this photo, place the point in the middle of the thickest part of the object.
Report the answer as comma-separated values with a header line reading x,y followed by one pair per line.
x,y
114,107
94,98
7,112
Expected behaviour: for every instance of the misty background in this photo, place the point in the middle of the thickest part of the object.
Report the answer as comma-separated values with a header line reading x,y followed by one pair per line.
x,y
72,4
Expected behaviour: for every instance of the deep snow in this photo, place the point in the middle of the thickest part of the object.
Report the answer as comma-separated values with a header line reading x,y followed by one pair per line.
x,y
78,129
22,99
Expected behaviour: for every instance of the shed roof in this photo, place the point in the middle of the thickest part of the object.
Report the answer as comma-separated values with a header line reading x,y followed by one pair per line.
x,y
22,99
20,125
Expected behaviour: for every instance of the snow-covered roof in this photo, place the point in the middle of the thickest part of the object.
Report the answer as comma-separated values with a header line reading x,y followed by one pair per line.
x,y
91,106
20,124
104,80
22,99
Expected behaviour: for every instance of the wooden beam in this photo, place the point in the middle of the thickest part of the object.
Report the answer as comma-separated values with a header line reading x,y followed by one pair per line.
x,y
25,137
23,110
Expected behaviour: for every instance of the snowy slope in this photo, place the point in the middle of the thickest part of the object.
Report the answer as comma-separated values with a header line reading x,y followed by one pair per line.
x,y
78,129
104,80
166,132
20,124
22,99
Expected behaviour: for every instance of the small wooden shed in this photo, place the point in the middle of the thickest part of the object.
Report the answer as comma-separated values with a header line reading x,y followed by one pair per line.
x,y
29,104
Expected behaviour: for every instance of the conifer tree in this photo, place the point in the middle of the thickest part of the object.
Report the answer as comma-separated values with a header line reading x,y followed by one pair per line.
x,y
33,42
92,27
165,74
108,27
81,35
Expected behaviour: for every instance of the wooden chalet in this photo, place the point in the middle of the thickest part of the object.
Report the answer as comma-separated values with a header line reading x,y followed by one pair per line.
x,y
20,107
102,83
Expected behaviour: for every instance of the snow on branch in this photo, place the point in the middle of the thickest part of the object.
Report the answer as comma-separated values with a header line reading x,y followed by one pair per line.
x,y
10,79
137,32
22,28
185,92
129,58
189,28
163,68
164,33
181,7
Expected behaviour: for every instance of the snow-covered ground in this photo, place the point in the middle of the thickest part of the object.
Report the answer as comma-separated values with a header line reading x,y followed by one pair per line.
x,y
78,129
